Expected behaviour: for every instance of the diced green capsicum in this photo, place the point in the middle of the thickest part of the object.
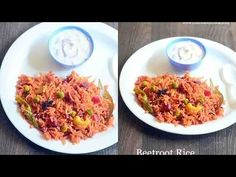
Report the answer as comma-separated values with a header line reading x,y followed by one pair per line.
x,y
144,99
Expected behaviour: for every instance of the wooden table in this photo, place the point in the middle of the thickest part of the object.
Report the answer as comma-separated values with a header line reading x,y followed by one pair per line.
x,y
11,141
133,133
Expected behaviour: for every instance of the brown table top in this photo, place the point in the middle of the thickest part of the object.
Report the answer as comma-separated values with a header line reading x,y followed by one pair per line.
x,y
133,133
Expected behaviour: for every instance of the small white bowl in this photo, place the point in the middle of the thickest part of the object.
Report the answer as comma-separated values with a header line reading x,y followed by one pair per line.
x,y
188,66
57,51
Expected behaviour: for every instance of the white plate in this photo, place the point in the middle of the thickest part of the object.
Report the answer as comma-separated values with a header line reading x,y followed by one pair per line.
x,y
29,55
151,60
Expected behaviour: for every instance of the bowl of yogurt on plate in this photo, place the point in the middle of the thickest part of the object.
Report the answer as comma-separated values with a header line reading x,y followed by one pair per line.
x,y
185,54
71,45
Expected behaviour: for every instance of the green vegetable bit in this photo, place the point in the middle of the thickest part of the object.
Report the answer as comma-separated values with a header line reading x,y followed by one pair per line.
x,y
153,88
60,94
175,85
21,100
27,111
186,101
64,128
145,84
177,113
26,88
31,118
144,100
37,99
72,113
201,100
90,112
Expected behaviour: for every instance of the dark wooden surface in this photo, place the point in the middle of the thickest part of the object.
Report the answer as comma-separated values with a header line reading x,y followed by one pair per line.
x,y
135,134
11,141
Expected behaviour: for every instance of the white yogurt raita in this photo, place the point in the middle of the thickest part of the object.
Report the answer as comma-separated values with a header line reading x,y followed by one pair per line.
x,y
186,52
70,46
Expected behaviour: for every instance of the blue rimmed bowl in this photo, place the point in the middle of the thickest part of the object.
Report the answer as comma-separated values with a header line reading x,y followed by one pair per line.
x,y
77,61
181,65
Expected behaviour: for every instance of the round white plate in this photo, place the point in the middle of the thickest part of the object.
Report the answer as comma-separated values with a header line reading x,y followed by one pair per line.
x,y
29,55
152,60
